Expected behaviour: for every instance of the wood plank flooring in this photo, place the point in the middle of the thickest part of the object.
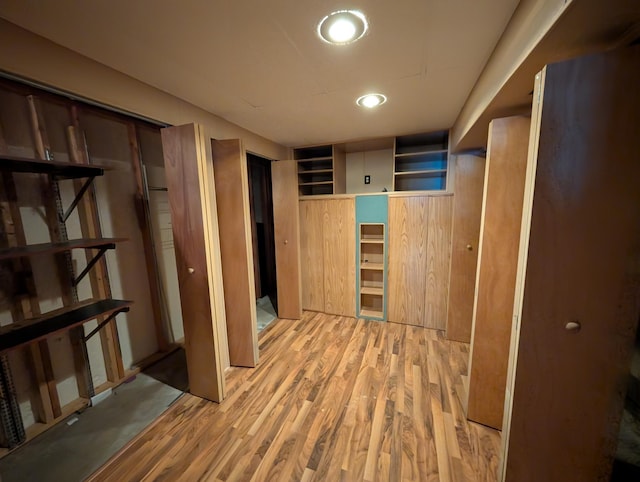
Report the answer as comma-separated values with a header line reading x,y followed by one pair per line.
x,y
333,398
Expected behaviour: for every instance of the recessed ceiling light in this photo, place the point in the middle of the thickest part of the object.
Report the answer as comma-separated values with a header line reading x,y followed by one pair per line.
x,y
343,27
371,100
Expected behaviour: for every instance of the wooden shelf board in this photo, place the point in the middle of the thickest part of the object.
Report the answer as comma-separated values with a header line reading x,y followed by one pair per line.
x,y
27,331
371,241
50,248
372,266
371,313
370,290
315,171
65,170
421,153
317,183
314,159
421,173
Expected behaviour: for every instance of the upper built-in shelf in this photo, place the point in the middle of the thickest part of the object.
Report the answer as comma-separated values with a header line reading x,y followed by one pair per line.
x,y
65,170
27,331
321,170
421,162
52,248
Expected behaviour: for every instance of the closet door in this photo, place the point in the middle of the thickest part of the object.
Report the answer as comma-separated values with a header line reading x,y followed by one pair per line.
x,y
578,295
497,266
190,184
234,220
311,254
286,219
467,206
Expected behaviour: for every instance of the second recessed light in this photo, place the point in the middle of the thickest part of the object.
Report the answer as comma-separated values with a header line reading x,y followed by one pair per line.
x,y
371,100
342,27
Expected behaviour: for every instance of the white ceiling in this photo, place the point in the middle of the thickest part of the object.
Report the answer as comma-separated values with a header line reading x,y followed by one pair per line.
x,y
260,64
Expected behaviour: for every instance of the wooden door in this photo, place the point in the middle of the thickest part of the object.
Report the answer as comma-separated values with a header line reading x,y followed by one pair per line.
x,y
339,254
189,171
311,254
284,176
498,261
234,221
467,206
578,278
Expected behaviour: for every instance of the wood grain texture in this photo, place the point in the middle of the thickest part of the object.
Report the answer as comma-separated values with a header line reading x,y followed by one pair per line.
x,y
234,225
497,265
334,398
467,207
339,254
185,159
286,219
407,281
438,261
570,386
311,254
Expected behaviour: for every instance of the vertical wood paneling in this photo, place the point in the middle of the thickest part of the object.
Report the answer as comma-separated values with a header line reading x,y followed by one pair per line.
x,y
499,240
407,280
438,261
234,220
311,254
193,217
467,207
286,219
339,253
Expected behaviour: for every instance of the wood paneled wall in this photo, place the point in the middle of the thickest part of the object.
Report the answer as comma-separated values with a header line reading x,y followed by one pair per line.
x,y
497,266
327,244
419,258
339,254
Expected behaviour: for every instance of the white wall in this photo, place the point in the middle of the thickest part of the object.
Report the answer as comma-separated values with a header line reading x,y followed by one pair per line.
x,y
377,164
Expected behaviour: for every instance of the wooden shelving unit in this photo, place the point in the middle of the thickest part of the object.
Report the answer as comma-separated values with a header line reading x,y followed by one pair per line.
x,y
53,248
421,162
321,170
372,270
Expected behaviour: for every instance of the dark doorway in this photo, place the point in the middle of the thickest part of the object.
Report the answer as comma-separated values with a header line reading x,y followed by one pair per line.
x,y
264,250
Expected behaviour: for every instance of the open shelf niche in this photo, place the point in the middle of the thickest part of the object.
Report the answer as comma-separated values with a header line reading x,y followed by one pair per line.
x,y
372,270
421,162
321,170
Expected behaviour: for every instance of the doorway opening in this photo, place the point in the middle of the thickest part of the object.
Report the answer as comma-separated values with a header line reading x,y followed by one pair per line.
x,y
262,233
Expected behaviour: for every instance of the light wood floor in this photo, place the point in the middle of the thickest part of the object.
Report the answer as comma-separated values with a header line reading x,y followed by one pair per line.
x,y
333,398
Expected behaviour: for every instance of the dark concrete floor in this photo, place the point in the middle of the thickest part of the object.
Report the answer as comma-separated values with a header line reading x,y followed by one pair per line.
x,y
73,452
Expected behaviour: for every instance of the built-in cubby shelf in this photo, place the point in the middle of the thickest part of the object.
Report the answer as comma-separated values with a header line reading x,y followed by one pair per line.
x,y
372,270
421,162
321,170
